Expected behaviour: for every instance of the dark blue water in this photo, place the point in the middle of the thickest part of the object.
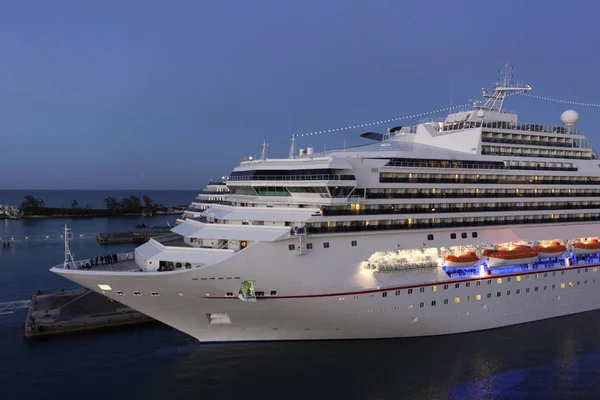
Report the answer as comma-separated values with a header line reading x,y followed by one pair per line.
x,y
95,198
554,359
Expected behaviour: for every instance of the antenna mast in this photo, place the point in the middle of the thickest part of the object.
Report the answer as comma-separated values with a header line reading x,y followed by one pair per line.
x,y
495,101
293,148
265,144
68,255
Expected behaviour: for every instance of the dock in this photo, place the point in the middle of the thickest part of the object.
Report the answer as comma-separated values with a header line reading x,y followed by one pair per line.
x,y
130,237
62,311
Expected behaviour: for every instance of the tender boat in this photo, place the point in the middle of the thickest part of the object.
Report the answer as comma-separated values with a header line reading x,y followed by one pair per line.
x,y
468,259
553,250
517,255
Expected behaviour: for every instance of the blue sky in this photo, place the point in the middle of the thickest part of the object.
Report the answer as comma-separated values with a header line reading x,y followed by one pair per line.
x,y
167,94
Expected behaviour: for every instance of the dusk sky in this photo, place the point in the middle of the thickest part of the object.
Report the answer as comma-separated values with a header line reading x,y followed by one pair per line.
x,y
167,94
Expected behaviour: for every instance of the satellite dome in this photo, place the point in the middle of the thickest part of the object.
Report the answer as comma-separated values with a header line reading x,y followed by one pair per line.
x,y
569,117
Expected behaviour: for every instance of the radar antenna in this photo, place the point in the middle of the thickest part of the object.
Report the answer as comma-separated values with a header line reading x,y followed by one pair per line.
x,y
495,100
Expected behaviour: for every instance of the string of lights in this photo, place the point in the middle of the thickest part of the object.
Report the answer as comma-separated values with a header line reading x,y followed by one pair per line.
x,y
577,103
383,121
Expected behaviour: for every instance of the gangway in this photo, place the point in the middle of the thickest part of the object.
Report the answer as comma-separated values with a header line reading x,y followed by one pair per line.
x,y
11,307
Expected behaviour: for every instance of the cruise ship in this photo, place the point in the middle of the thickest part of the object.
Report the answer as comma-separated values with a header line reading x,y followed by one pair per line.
x,y
213,193
471,222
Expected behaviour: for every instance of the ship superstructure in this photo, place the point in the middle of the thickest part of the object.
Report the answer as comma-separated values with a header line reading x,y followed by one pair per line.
x,y
476,221
214,192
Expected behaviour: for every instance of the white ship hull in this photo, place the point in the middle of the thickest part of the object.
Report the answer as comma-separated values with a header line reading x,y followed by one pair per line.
x,y
326,295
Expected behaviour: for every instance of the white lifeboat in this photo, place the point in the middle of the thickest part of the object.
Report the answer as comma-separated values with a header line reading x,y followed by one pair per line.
x,y
517,255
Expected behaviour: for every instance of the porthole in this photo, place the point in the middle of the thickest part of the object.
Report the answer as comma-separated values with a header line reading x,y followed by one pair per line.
x,y
137,293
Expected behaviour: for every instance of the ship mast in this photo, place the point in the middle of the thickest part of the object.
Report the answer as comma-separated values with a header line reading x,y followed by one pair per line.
x,y
68,255
495,100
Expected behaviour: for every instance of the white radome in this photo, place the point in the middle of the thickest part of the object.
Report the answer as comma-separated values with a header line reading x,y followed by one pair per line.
x,y
569,117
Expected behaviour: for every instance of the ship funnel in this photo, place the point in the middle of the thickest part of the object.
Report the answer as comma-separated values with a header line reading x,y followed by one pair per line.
x,y
310,151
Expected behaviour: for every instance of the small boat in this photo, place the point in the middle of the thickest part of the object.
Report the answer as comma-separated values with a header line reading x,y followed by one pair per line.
x,y
517,255
553,250
588,247
468,259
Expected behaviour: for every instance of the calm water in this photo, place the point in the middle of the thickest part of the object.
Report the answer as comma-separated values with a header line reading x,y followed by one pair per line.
x,y
95,198
554,359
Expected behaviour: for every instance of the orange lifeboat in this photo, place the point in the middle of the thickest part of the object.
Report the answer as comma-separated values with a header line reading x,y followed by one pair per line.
x,y
517,255
468,259
588,247
551,250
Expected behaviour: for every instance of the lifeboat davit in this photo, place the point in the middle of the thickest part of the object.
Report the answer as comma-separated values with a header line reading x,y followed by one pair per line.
x,y
551,251
468,259
518,255
590,247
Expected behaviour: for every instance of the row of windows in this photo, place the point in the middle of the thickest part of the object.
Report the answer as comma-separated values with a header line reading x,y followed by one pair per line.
x,y
467,164
453,235
421,193
433,223
309,246
457,208
534,152
499,281
400,177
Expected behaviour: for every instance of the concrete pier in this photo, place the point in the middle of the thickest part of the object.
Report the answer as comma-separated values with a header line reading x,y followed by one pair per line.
x,y
76,310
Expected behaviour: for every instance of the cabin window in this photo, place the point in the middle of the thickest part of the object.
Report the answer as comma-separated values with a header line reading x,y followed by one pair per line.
x,y
445,287
518,291
259,293
489,295
434,288
508,292
467,298
457,299
119,293
468,284
229,294
578,283
326,245
527,290
474,234
498,294
489,281
463,235
291,247
137,293
353,243
309,246
430,237
508,279
445,301
422,305
409,291
518,278
477,297
453,236
584,282
384,294
457,285
397,293
422,290
570,284
273,292
433,303
154,294
537,288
